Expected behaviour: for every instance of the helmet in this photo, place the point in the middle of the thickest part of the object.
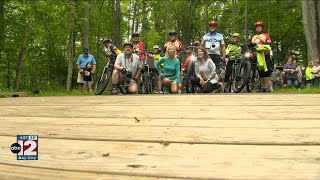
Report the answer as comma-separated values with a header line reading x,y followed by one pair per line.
x,y
172,33
128,44
213,23
135,34
236,35
106,40
259,23
155,47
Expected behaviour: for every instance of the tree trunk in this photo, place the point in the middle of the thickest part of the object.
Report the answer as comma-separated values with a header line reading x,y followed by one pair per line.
x,y
2,30
310,28
233,15
86,25
246,24
71,32
22,53
134,15
167,17
113,19
118,24
207,15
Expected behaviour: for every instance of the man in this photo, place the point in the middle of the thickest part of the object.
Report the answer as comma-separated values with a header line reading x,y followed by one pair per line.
x,y
82,62
214,44
110,49
138,46
263,39
126,63
173,41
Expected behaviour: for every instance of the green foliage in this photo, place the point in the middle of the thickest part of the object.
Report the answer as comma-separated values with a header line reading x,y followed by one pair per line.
x,y
46,60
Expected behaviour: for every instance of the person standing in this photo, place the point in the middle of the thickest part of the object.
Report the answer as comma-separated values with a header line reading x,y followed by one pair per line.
x,y
82,62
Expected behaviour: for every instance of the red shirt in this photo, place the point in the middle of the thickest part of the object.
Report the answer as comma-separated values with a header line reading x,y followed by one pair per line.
x,y
262,38
176,43
186,64
138,48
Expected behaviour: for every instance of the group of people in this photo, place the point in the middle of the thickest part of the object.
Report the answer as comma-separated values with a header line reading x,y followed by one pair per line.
x,y
210,53
293,75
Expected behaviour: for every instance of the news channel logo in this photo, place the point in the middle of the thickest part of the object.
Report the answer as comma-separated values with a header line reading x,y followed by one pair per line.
x,y
26,147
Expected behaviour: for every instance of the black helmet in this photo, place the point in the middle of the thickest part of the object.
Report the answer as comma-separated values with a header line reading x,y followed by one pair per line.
x,y
135,34
172,33
128,44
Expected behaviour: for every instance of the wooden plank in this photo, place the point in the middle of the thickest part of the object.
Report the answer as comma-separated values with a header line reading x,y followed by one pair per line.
x,y
175,100
173,160
30,173
163,122
193,135
183,112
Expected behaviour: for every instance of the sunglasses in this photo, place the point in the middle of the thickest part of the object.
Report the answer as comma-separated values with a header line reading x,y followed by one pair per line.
x,y
212,26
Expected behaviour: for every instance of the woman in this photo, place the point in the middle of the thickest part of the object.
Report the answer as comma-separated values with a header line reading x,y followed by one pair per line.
x,y
316,73
171,70
205,71
291,73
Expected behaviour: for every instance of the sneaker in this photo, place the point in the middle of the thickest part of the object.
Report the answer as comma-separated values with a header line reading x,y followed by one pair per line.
x,y
179,91
267,90
114,92
160,92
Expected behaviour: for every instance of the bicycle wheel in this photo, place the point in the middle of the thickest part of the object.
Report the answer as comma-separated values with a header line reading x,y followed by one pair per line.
x,y
190,74
103,81
242,76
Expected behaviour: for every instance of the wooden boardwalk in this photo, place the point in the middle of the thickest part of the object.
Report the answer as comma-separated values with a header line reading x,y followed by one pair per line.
x,y
236,137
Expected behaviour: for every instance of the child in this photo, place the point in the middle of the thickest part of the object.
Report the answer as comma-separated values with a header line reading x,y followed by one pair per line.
x,y
309,75
87,78
234,51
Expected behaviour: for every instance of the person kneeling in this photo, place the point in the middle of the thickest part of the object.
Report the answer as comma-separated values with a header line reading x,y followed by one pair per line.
x,y
127,67
205,71
171,68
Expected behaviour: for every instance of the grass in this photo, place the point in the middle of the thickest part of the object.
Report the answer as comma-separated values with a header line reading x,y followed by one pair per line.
x,y
300,91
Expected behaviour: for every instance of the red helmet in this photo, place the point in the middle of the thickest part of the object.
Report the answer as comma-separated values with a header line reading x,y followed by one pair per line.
x,y
213,23
259,23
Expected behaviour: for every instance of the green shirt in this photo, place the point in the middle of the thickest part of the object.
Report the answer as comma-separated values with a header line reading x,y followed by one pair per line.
x,y
308,73
171,68
157,57
234,51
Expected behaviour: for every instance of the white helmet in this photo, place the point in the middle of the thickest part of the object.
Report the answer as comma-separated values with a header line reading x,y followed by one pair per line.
x,y
156,47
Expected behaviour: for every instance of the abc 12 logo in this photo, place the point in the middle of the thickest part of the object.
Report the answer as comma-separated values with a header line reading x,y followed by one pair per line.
x,y
26,147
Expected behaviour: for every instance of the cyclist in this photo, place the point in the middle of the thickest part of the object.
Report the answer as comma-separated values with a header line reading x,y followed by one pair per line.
x,y
214,44
127,64
110,49
173,41
233,53
263,39
138,46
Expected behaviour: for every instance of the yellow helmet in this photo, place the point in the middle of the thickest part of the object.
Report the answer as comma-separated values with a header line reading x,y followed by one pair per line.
x,y
236,35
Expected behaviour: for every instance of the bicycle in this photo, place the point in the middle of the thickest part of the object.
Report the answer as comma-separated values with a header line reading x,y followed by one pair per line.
x,y
149,76
190,73
106,74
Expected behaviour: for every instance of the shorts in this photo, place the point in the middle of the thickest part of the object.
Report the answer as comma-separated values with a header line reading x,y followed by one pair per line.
x,y
172,78
80,77
216,59
87,82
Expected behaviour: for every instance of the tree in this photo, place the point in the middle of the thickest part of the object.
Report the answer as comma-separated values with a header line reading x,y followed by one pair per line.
x,y
71,41
2,30
118,24
311,27
22,55
86,25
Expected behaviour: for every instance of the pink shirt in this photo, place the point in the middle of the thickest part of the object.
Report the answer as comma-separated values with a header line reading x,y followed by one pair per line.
x,y
316,69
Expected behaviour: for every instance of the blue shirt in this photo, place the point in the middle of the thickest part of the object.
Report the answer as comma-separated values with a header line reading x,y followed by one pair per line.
x,y
82,60
213,42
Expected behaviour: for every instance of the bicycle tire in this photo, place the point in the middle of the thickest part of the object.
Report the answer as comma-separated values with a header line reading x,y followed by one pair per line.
x,y
190,74
244,75
103,82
